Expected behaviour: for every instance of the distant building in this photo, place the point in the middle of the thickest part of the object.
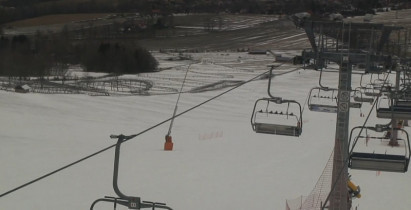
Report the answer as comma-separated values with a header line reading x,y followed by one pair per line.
x,y
22,89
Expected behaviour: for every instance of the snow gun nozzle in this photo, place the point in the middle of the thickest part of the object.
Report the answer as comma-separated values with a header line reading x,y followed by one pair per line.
x,y
112,136
122,137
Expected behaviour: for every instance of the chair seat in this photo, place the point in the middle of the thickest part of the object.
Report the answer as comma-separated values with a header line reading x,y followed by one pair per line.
x,y
378,162
397,112
323,108
287,130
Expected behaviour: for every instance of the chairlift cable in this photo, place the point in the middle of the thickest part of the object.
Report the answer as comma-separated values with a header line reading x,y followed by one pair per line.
x,y
306,100
131,136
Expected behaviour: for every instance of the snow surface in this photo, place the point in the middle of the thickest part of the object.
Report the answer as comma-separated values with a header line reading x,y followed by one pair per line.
x,y
218,162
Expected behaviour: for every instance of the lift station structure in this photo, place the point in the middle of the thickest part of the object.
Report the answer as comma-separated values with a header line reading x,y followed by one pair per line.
x,y
370,46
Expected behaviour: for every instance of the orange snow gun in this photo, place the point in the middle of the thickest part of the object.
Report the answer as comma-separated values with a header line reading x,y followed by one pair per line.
x,y
168,145
353,189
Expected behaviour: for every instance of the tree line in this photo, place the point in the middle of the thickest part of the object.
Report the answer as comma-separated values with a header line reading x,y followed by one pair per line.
x,y
37,56
11,10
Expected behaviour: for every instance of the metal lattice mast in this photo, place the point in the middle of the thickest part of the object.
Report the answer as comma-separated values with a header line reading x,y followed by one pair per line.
x,y
345,53
340,199
394,122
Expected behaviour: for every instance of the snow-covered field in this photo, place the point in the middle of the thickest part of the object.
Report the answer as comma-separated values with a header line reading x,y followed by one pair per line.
x,y
218,162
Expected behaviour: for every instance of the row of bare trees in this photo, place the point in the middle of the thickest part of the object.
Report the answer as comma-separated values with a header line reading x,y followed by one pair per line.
x,y
21,9
11,10
40,55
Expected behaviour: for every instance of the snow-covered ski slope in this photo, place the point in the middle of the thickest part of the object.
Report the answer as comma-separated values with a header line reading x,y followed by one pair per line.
x,y
218,162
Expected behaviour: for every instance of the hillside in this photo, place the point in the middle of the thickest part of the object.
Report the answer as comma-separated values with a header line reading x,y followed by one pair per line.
x,y
218,161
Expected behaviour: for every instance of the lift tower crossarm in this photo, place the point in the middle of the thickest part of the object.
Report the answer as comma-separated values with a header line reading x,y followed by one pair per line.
x,y
332,29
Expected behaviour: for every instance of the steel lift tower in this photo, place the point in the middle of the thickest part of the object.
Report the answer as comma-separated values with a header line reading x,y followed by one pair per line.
x,y
346,44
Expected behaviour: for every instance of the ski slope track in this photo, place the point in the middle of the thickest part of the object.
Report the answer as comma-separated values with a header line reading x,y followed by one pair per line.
x,y
218,161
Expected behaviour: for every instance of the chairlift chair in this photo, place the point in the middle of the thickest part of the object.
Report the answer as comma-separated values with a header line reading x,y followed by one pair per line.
x,y
395,112
403,103
128,201
325,99
376,86
368,88
319,102
379,82
378,161
404,94
370,91
385,87
386,90
269,118
402,97
399,110
361,81
359,96
355,104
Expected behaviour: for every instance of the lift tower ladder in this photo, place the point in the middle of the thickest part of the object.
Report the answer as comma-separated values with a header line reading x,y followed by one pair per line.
x,y
340,193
